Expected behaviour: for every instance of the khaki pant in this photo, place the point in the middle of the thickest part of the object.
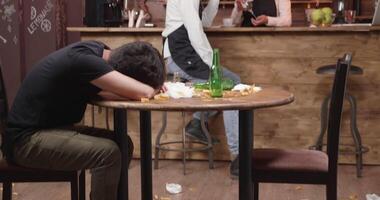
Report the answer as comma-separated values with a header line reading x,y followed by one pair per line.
x,y
76,148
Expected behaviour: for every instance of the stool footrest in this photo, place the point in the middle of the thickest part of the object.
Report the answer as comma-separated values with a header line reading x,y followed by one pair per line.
x,y
192,149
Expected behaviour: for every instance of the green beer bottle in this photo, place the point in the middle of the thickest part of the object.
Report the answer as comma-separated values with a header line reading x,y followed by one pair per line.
x,y
215,81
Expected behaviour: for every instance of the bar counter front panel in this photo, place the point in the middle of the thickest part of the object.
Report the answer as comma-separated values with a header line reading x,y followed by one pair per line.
x,y
286,57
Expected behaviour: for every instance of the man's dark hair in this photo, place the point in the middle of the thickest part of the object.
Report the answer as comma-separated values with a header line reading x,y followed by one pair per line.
x,y
141,61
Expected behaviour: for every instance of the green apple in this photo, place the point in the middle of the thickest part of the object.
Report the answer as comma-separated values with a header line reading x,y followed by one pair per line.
x,y
317,17
327,19
327,11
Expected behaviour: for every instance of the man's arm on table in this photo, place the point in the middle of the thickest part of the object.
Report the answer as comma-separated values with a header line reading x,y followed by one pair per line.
x,y
118,86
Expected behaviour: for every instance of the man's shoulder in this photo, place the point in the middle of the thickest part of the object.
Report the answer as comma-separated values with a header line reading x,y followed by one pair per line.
x,y
89,44
86,48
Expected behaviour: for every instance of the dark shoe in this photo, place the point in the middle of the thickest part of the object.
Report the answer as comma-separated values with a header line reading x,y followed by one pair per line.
x,y
234,168
194,130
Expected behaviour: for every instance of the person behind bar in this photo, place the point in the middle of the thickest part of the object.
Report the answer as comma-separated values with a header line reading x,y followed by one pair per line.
x,y
53,96
189,53
249,13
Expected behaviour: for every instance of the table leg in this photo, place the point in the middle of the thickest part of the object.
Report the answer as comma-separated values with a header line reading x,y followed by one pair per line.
x,y
146,155
245,154
120,128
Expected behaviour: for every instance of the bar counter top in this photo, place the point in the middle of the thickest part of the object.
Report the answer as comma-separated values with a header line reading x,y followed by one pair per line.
x,y
334,28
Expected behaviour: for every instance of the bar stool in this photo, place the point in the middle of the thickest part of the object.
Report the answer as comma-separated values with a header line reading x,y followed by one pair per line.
x,y
359,148
165,146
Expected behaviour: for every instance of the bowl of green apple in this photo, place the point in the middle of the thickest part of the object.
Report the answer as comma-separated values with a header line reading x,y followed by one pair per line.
x,y
322,17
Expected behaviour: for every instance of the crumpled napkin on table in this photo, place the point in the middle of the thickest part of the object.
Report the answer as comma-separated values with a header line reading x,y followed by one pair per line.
x,y
178,90
241,87
372,197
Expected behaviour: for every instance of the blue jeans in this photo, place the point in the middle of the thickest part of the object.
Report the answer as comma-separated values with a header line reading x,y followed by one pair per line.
x,y
230,117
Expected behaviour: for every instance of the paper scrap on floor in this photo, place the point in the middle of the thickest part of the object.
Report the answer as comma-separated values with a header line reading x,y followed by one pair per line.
x,y
178,90
372,197
173,188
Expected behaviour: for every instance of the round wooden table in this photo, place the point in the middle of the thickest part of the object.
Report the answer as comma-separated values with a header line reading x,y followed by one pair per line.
x,y
268,97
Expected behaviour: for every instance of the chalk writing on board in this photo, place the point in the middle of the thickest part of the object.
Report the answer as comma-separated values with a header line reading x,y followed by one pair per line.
x,y
15,40
46,25
3,39
33,13
37,22
7,11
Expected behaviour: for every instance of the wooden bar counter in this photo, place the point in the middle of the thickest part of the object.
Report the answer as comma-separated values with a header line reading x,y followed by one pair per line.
x,y
286,57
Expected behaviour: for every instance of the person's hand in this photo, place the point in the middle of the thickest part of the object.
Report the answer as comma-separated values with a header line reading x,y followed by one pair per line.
x,y
162,1
317,3
144,7
262,19
239,4
163,89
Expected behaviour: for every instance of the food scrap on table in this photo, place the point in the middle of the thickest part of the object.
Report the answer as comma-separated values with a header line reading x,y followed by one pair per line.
x,y
161,97
144,100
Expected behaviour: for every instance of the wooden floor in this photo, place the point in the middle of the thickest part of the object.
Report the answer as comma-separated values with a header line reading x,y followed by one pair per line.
x,y
200,183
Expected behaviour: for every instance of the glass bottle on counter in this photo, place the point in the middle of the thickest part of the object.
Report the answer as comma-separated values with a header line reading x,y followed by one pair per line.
x,y
215,80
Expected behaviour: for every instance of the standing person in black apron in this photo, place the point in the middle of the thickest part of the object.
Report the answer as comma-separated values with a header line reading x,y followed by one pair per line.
x,y
189,53
249,13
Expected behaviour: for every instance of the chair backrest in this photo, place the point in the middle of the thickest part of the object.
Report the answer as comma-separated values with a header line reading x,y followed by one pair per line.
x,y
335,110
3,102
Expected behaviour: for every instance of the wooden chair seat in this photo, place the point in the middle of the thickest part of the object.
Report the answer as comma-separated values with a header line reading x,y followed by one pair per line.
x,y
290,160
291,166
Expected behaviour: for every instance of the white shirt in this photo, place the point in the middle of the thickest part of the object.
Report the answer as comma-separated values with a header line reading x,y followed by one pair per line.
x,y
186,12
284,14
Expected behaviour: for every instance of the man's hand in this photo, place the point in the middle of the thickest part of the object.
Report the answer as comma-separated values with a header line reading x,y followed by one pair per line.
x,y
163,89
262,19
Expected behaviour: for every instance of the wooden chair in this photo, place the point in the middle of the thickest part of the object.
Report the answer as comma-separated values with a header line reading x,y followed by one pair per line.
x,y
307,166
10,173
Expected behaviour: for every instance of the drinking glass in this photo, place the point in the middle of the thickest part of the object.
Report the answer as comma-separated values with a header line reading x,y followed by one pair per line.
x,y
349,16
176,77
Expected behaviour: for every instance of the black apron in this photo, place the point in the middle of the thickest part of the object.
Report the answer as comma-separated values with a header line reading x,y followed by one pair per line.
x,y
184,55
259,7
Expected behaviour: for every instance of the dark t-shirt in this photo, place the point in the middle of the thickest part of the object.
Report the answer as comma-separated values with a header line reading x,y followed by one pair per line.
x,y
56,91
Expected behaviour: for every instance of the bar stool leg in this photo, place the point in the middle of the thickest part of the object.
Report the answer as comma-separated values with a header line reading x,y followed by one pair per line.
x,y
209,142
324,116
356,136
158,140
184,150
